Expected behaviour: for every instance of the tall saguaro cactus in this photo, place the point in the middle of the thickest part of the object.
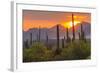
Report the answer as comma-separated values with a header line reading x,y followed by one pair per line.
x,y
63,42
81,28
39,34
79,35
37,37
73,28
82,33
30,38
67,35
57,50
46,39
26,45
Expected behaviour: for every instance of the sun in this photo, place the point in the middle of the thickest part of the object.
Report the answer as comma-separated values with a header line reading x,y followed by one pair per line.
x,y
69,24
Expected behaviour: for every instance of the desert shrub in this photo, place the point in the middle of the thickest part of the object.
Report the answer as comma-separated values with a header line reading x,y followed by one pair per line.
x,y
34,53
77,50
27,55
48,56
73,51
38,52
82,50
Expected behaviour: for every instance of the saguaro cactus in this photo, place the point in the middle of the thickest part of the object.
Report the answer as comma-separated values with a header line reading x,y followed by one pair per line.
x,y
73,28
67,35
63,42
82,33
57,50
46,39
30,38
81,28
79,35
26,45
39,34
37,37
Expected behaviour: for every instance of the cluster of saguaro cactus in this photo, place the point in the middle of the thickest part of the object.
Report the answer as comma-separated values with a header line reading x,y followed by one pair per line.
x,y
38,36
73,28
81,35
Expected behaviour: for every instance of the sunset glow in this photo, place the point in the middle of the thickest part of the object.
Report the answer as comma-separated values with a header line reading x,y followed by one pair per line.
x,y
46,19
69,24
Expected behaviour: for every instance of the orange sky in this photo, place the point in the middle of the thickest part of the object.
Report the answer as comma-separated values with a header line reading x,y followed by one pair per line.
x,y
48,19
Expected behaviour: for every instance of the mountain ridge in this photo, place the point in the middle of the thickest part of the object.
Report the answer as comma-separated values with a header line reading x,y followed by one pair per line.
x,y
52,31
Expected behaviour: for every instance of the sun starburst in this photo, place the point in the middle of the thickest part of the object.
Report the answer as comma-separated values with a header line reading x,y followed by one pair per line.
x,y
69,24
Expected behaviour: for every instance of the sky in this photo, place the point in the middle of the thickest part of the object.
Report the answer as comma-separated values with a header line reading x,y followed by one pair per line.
x,y
48,19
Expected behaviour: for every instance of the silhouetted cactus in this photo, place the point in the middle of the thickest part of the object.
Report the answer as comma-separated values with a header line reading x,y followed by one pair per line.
x,y
79,35
67,35
73,28
26,45
37,37
57,50
63,42
30,38
82,33
46,39
39,34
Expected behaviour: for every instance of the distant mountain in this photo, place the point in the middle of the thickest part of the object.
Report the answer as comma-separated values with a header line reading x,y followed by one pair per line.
x,y
35,33
52,32
86,29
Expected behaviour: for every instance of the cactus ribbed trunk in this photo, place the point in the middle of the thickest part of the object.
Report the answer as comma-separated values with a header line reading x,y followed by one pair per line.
x,y
39,34
79,35
30,38
57,50
63,42
67,35
82,33
26,45
73,28
81,28
47,39
36,37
